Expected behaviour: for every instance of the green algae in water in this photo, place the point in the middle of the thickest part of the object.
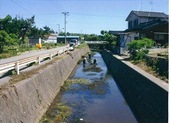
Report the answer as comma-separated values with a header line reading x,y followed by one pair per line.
x,y
98,87
69,82
57,113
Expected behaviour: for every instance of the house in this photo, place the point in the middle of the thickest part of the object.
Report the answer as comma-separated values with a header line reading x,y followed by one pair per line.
x,y
34,41
117,34
61,39
52,38
153,25
118,40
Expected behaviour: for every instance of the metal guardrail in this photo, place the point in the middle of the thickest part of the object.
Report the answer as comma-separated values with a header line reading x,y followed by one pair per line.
x,y
18,64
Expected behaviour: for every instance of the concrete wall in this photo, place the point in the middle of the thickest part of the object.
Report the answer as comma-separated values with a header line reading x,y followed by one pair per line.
x,y
146,96
28,100
160,64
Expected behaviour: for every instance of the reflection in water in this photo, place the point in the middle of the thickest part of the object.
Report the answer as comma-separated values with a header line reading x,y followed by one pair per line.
x,y
98,100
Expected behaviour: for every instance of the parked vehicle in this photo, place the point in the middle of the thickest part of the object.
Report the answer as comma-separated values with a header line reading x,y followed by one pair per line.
x,y
73,41
71,47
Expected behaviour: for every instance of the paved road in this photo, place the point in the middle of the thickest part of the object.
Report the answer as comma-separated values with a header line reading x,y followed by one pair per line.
x,y
28,54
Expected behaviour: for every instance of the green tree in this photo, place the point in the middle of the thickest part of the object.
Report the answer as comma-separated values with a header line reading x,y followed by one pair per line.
x,y
110,38
5,39
5,24
91,37
18,26
138,48
102,32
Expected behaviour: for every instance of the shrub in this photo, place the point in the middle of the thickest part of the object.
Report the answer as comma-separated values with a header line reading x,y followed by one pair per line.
x,y
137,48
141,55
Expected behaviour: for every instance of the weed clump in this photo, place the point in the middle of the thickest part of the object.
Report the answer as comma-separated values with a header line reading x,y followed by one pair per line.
x,y
57,113
69,82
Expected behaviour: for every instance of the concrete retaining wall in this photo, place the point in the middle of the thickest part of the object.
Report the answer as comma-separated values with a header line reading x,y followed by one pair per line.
x,y
160,64
147,97
28,100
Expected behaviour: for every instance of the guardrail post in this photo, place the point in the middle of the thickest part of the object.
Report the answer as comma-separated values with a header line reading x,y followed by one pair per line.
x,y
38,59
50,56
17,68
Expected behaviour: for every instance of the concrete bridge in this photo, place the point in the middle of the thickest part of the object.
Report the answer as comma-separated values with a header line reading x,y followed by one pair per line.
x,y
97,44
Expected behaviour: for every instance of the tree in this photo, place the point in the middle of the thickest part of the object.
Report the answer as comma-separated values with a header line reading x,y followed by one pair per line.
x,y
91,37
5,24
140,44
102,32
5,39
138,48
25,27
18,26
20,29
110,38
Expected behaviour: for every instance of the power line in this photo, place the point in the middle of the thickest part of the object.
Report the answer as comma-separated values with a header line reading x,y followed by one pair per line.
x,y
85,14
21,7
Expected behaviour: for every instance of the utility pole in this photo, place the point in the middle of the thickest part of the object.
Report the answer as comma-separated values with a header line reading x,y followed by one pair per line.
x,y
59,30
65,14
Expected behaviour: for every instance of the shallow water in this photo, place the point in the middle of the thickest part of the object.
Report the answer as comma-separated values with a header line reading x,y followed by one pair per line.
x,y
100,101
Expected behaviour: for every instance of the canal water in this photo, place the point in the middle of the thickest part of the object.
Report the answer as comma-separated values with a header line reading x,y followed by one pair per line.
x,y
98,101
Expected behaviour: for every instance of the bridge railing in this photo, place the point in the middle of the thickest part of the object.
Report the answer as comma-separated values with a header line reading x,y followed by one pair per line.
x,y
96,42
18,64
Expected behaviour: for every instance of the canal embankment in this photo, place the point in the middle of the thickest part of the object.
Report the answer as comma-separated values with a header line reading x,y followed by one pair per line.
x,y
146,95
90,95
26,101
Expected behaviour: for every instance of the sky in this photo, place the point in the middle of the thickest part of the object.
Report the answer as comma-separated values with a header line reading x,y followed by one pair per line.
x,y
85,16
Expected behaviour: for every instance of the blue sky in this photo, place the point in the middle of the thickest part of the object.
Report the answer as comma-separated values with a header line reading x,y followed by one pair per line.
x,y
85,16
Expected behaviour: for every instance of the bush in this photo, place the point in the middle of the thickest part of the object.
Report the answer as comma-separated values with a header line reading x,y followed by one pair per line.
x,y
137,48
141,55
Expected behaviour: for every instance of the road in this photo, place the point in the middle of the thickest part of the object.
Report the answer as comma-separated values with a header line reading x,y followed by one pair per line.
x,y
28,54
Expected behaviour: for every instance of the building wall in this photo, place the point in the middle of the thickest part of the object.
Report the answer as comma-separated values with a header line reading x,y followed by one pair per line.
x,y
140,20
51,39
125,39
33,41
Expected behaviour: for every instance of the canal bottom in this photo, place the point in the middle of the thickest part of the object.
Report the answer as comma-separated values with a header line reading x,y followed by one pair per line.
x,y
91,97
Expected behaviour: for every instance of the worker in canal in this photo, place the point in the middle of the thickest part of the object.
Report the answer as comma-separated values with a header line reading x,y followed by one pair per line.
x,y
94,61
84,61
89,56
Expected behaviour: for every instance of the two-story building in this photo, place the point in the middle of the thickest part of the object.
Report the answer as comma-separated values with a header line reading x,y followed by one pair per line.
x,y
153,25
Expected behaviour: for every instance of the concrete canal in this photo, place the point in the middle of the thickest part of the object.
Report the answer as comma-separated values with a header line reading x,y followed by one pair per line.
x,y
90,95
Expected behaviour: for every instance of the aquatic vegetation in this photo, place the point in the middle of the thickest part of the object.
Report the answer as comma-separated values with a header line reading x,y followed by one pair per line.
x,y
92,68
98,87
69,82
57,112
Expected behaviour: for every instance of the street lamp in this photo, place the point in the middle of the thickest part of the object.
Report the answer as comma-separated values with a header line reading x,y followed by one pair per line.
x,y
65,14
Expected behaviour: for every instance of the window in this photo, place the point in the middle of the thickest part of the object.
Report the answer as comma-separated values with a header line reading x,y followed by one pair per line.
x,y
130,24
159,37
136,22
136,38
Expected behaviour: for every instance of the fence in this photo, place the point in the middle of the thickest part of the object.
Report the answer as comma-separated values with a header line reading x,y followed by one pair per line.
x,y
18,64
